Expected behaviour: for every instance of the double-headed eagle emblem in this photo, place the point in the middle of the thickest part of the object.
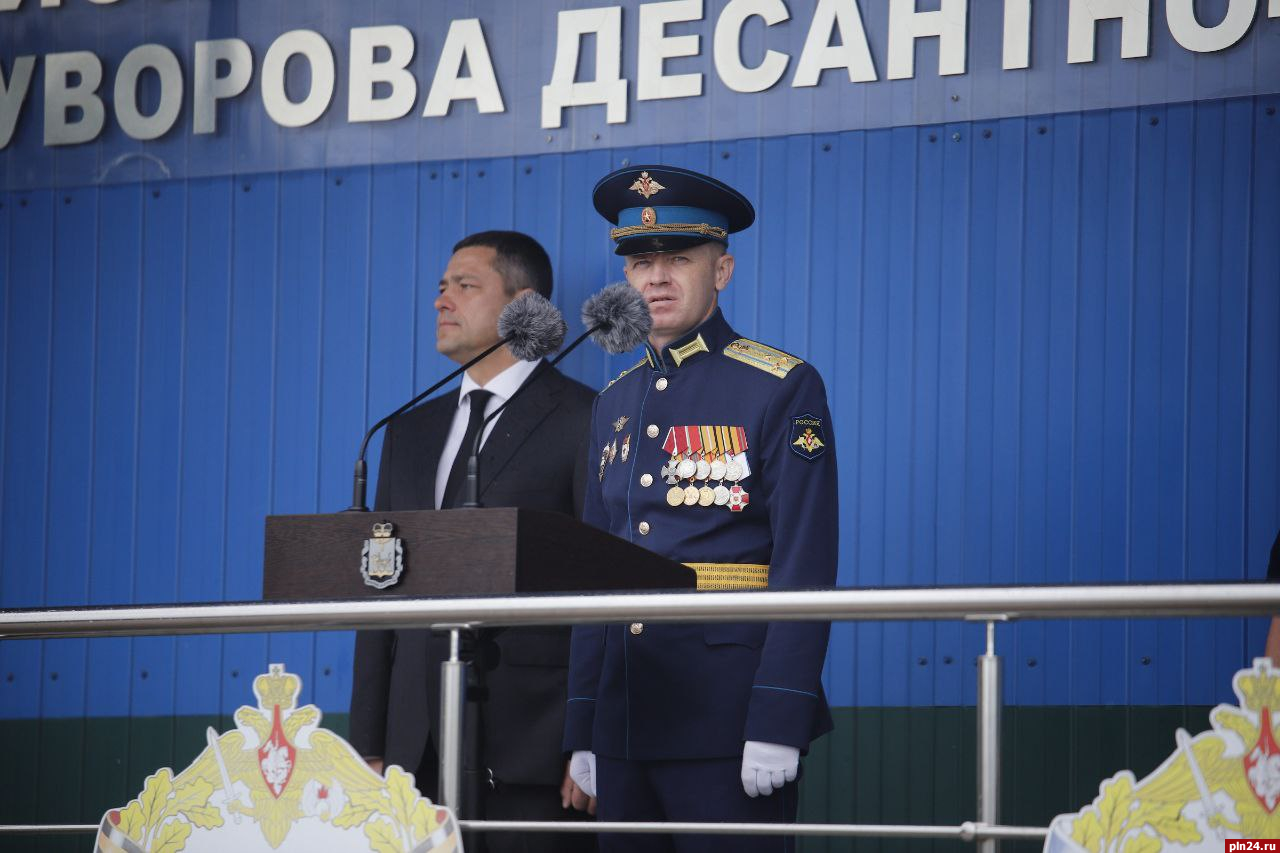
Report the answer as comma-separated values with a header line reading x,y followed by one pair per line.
x,y
808,441
1220,784
278,776
646,186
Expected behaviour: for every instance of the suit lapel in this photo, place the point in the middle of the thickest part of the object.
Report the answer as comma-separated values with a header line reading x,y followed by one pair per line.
x,y
435,431
516,424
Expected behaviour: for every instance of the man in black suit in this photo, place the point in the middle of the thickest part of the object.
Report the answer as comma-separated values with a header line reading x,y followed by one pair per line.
x,y
533,456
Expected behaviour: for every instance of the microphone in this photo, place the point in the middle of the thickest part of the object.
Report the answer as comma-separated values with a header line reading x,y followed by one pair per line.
x,y
532,326
617,318
529,326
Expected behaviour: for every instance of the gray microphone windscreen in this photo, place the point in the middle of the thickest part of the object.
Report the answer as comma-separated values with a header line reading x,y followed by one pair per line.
x,y
619,316
535,326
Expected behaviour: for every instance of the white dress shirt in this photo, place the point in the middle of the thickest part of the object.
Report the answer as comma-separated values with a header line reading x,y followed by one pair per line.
x,y
502,387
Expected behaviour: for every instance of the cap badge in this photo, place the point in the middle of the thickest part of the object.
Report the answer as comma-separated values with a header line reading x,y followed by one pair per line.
x,y
646,186
648,216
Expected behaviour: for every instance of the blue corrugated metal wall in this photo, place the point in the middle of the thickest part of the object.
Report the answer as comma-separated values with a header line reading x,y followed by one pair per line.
x,y
1052,346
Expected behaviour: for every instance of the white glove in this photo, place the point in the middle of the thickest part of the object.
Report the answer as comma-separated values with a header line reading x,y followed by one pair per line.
x,y
582,769
766,767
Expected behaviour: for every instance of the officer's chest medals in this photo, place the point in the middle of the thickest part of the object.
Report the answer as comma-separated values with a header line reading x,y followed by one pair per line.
x,y
700,460
611,450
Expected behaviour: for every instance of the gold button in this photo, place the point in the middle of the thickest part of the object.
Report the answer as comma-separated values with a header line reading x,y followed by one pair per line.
x,y
637,628
646,480
644,528
661,384
652,431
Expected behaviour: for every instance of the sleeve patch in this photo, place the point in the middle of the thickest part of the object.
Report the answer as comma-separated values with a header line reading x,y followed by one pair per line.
x,y
808,441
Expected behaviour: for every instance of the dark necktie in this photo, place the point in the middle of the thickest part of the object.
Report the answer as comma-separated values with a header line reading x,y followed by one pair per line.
x,y
458,473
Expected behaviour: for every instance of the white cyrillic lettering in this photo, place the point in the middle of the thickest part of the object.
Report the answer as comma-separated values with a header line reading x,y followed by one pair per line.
x,y
464,43
59,96
949,23
1017,34
728,46
1191,35
163,61
366,72
655,47
12,94
819,54
10,5
209,87
312,46
608,87
1082,19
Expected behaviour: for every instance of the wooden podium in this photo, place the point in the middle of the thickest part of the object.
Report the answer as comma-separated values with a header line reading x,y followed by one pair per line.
x,y
465,552
499,551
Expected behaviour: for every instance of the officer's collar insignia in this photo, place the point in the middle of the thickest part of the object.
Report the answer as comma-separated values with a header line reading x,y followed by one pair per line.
x,y
695,346
807,438
647,186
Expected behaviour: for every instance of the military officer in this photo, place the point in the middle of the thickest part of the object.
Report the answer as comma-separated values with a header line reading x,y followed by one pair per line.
x,y
717,451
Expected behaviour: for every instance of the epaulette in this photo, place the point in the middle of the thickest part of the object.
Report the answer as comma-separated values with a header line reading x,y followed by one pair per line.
x,y
762,357
624,373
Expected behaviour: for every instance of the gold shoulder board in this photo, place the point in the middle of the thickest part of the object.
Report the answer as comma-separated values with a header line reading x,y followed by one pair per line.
x,y
625,372
762,357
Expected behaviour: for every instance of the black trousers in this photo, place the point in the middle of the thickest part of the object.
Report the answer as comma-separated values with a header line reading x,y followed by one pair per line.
x,y
513,802
695,790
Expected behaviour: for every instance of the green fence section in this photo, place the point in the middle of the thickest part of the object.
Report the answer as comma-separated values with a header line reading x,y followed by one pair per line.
x,y
880,765
918,765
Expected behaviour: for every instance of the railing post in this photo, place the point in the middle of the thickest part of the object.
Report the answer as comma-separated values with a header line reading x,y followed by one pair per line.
x,y
453,679
989,709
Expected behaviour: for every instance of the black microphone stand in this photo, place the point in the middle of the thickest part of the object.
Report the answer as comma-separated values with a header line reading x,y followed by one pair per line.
x,y
472,488
360,486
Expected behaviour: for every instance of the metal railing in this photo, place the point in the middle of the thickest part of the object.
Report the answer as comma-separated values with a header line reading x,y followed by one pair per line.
x,y
988,605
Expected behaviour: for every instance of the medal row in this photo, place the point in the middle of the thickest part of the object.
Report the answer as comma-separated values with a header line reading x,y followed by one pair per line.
x,y
706,453
735,497
697,453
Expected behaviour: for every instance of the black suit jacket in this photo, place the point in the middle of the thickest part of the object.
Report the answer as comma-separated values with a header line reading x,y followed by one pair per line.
x,y
535,458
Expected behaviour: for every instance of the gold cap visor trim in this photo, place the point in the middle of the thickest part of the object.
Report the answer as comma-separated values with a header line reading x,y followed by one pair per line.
x,y
667,228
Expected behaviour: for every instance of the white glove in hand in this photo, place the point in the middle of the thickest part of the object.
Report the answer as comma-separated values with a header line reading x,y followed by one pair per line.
x,y
582,768
766,767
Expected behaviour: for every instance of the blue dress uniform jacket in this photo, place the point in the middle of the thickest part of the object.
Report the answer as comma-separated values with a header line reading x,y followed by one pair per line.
x,y
667,691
